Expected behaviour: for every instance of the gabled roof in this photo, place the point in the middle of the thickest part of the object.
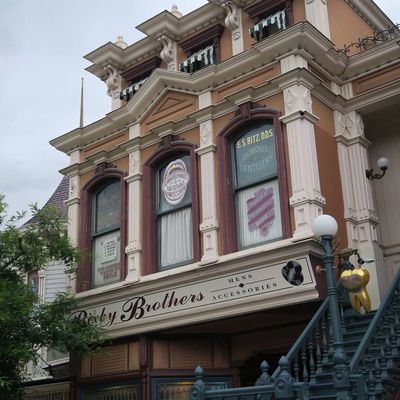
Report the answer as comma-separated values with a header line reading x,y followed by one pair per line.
x,y
57,199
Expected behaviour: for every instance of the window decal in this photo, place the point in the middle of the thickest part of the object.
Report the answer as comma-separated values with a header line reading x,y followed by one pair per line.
x,y
175,182
261,210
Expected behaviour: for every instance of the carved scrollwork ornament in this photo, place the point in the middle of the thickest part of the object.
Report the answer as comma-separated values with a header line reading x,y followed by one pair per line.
x,y
167,53
112,80
232,18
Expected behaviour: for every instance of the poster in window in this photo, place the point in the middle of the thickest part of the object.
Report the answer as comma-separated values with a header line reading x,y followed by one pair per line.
x,y
259,214
107,259
174,184
255,155
261,210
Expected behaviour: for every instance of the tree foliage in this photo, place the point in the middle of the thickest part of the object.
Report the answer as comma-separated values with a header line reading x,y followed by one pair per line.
x,y
26,324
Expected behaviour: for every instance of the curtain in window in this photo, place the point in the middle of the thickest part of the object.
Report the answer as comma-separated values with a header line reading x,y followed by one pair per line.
x,y
176,237
259,214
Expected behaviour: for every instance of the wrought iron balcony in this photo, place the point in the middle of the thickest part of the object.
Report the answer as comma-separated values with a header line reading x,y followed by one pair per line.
x,y
270,25
198,60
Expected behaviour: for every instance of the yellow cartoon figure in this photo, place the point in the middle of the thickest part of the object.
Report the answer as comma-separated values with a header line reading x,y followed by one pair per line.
x,y
355,281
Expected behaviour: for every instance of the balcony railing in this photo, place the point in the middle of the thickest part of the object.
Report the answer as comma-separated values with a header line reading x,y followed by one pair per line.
x,y
127,93
198,60
270,25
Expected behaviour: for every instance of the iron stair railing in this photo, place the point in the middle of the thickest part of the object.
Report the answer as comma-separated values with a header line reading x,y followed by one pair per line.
x,y
376,359
374,367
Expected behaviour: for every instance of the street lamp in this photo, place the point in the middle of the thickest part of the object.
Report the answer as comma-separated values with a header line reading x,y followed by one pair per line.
x,y
325,228
383,164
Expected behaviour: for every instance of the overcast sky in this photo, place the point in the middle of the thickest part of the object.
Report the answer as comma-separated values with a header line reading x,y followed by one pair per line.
x,y
42,44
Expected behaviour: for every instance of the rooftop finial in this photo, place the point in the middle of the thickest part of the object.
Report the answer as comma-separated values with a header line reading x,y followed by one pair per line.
x,y
175,11
81,109
121,42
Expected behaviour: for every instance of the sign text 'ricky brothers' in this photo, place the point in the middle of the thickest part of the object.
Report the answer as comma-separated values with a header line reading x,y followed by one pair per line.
x,y
254,283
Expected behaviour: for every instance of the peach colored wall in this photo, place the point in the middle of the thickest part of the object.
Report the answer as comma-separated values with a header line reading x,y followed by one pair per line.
x,y
378,79
299,12
122,164
247,24
181,55
341,17
328,165
226,44
255,80
108,144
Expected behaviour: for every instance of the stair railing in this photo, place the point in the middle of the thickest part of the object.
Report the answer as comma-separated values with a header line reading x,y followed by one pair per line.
x,y
378,351
312,351
283,387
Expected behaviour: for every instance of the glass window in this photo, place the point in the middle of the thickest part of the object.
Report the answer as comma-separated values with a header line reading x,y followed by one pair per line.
x,y
256,187
179,388
174,213
106,239
116,391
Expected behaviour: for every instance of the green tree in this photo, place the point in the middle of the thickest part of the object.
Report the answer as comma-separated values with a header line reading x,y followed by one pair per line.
x,y
26,325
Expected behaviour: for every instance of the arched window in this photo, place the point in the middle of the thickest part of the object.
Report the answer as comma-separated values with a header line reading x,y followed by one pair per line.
x,y
106,234
171,235
253,188
102,233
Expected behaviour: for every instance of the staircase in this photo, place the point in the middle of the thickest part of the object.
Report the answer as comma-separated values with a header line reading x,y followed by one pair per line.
x,y
322,388
372,346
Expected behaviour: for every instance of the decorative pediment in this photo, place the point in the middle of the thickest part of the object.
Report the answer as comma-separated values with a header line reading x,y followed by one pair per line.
x,y
173,106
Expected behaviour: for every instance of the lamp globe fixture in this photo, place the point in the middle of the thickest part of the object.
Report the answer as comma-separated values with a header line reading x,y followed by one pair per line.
x,y
324,225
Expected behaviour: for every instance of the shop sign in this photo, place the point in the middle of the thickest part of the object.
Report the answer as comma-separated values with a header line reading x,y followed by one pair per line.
x,y
254,284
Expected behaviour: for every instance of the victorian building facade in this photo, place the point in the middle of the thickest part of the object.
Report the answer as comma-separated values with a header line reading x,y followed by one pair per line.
x,y
231,129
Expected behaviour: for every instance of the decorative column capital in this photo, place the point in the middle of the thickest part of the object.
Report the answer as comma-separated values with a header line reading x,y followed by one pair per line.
x,y
349,125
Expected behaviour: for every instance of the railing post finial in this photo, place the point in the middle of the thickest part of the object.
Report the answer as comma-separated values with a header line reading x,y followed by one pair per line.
x,y
265,378
199,387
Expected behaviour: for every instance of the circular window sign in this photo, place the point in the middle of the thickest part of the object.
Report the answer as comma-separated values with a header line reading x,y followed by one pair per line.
x,y
175,182
292,273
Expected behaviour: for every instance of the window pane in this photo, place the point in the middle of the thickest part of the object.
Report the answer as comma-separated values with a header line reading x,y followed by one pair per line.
x,y
106,261
255,155
174,189
179,389
107,208
125,392
176,242
259,214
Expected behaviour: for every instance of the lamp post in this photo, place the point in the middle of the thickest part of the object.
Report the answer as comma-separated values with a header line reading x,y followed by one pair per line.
x,y
325,228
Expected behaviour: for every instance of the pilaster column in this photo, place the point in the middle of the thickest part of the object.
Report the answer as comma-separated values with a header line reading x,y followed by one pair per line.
x,y
233,21
306,200
169,52
317,14
359,209
206,151
113,83
133,250
73,214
